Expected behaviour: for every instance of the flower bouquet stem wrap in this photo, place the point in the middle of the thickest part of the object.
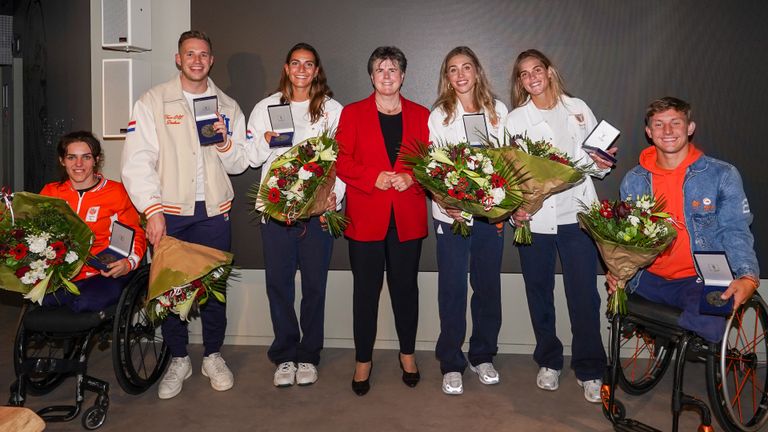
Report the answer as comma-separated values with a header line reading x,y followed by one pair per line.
x,y
299,183
471,179
43,244
184,275
629,236
546,171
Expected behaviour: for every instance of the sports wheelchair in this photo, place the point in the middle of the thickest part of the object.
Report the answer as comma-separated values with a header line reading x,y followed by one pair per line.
x,y
647,340
54,343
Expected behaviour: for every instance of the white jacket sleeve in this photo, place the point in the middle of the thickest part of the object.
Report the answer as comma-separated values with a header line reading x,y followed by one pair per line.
x,y
139,162
234,156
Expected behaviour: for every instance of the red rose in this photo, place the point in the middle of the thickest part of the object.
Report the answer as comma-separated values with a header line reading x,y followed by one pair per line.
x,y
274,195
319,171
281,183
18,233
19,251
480,194
20,272
197,283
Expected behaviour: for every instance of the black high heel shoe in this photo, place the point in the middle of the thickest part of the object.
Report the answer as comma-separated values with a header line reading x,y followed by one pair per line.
x,y
409,378
362,387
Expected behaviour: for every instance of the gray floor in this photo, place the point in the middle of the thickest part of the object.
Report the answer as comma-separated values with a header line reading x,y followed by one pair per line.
x,y
330,405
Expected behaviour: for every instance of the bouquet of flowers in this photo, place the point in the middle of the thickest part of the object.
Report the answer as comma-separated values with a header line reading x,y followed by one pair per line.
x,y
548,170
629,235
43,244
468,178
183,276
299,182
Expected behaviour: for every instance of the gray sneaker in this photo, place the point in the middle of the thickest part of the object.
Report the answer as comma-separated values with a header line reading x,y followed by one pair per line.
x,y
452,383
179,370
285,374
591,390
548,379
486,372
306,374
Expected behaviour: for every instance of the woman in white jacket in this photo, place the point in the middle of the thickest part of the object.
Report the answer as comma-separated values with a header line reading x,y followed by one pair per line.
x,y
305,244
542,109
464,89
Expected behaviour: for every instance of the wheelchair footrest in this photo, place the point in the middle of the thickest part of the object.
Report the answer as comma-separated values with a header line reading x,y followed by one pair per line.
x,y
633,425
59,413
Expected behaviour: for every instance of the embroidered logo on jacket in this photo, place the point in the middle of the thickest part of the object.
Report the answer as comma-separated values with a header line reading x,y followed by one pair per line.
x,y
174,119
92,215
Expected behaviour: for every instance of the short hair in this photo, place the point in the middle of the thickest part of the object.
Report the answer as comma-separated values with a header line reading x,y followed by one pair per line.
x,y
195,34
89,139
391,53
667,103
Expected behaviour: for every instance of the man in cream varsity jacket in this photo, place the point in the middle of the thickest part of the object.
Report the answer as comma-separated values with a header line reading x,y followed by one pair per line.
x,y
184,191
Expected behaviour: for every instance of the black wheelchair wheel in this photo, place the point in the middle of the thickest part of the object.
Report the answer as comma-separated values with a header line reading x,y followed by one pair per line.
x,y
29,345
643,357
737,377
94,417
139,355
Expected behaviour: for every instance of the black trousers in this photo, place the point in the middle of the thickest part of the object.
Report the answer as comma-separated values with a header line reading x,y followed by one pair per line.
x,y
368,261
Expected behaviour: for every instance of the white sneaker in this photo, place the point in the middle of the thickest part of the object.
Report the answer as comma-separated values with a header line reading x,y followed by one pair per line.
x,y
285,374
548,379
452,384
179,370
306,374
215,368
486,372
591,390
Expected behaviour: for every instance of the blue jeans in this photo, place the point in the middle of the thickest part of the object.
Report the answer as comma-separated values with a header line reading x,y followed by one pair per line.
x,y
480,256
684,294
215,232
302,246
96,294
578,257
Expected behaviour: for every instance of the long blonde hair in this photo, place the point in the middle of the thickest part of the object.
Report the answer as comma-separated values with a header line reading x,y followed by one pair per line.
x,y
481,95
519,94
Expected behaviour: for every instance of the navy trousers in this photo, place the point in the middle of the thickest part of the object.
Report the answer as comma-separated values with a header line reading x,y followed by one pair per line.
x,y
684,294
214,232
578,257
302,246
368,261
480,256
96,294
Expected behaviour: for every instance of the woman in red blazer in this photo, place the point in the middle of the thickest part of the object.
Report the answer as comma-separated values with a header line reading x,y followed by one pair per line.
x,y
386,208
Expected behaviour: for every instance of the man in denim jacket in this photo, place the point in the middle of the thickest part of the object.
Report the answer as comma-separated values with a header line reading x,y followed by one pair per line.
x,y
706,200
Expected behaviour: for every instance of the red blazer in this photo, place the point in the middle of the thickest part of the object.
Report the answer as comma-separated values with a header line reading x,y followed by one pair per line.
x,y
362,156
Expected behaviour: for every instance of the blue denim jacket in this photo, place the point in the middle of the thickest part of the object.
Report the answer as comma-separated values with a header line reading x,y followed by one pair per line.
x,y
717,214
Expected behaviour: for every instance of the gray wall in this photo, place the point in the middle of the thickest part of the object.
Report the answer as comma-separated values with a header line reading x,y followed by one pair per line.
x,y
55,40
617,56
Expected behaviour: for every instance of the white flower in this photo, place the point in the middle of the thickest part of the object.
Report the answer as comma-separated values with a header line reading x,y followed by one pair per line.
x,y
471,163
37,244
498,195
70,257
452,179
38,265
634,220
29,278
49,252
652,230
294,195
488,167
304,174
272,182
432,164
328,154
644,203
